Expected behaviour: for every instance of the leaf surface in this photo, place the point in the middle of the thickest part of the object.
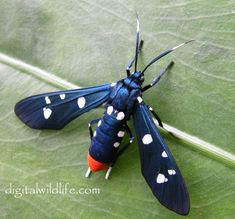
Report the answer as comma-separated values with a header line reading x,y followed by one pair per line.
x,y
88,43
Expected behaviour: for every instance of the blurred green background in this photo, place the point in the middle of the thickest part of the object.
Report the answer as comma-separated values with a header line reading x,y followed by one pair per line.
x,y
88,43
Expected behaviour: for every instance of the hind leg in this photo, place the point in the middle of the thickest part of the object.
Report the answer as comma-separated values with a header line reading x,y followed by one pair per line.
x,y
92,122
120,152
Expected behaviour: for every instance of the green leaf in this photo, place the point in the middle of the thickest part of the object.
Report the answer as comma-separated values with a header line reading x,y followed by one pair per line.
x,y
85,43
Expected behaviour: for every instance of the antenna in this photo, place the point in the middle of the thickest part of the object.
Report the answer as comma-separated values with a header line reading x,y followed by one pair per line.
x,y
137,40
165,53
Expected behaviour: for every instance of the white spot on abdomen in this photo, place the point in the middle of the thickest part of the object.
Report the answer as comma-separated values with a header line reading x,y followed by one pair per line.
x,y
139,99
81,102
47,113
47,99
161,178
164,154
116,144
120,116
120,134
171,172
62,96
147,139
109,110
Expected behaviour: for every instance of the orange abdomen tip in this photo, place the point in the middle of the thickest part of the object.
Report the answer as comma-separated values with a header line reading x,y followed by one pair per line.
x,y
96,165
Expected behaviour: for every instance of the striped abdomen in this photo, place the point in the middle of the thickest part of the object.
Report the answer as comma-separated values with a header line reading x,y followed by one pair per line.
x,y
106,139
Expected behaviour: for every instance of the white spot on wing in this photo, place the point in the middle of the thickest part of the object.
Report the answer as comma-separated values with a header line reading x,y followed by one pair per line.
x,y
116,144
113,84
161,178
94,134
147,139
120,116
164,154
120,134
109,110
99,123
47,113
47,99
81,102
171,172
62,96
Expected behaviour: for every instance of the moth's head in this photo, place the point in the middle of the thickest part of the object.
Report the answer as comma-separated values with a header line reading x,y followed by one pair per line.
x,y
138,76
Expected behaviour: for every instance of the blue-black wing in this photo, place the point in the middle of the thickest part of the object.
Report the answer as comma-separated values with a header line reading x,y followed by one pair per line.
x,y
56,109
158,165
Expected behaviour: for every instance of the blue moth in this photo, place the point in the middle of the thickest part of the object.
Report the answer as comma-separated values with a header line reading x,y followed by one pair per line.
x,y
123,100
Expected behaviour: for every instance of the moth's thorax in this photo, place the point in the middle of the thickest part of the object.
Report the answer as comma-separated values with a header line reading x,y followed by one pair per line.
x,y
124,95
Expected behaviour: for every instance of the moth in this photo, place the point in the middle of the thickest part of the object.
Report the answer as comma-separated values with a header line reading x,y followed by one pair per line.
x,y
123,100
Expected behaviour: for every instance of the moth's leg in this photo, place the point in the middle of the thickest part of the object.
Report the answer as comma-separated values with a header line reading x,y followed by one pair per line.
x,y
133,60
156,79
92,122
159,121
155,116
88,172
131,139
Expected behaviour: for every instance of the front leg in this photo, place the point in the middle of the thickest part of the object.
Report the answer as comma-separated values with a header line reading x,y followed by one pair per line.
x,y
160,123
155,116
155,80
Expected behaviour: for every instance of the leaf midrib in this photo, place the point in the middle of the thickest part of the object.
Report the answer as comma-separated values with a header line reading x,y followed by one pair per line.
x,y
189,141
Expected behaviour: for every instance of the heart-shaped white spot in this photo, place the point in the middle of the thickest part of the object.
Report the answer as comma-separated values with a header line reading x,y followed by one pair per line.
x,y
161,178
47,113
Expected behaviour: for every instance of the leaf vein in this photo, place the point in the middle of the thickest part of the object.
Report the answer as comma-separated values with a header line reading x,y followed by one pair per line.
x,y
192,141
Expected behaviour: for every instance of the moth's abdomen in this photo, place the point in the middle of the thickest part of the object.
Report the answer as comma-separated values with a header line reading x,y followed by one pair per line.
x,y
106,140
